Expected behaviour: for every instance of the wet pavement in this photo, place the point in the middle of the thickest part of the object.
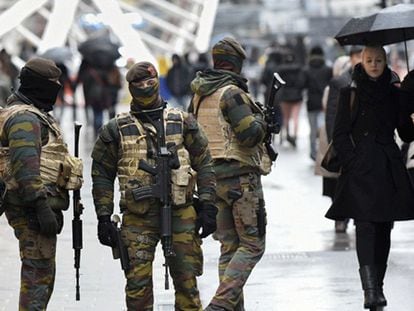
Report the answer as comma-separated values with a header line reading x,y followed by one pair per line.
x,y
306,265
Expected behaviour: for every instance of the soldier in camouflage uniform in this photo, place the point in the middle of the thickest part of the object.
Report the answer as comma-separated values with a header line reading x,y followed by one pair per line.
x,y
121,144
235,127
34,201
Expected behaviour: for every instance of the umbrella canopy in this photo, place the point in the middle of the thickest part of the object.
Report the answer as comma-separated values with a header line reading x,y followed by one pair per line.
x,y
390,25
99,51
58,54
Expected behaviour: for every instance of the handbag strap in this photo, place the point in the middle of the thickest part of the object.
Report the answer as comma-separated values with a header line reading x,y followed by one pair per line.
x,y
352,104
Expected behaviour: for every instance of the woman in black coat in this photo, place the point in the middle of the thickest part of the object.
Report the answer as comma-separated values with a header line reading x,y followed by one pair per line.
x,y
374,187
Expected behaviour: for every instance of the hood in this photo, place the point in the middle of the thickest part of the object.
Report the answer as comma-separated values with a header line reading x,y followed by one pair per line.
x,y
210,80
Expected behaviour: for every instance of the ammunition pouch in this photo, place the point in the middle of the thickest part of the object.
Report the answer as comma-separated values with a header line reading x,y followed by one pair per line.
x,y
57,199
183,182
61,168
70,176
57,167
134,202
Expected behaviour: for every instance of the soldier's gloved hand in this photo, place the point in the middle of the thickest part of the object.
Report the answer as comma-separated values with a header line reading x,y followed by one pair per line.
x,y
48,225
206,219
106,231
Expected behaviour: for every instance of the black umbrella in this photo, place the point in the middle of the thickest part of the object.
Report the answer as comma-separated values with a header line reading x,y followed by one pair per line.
x,y
99,51
58,54
390,25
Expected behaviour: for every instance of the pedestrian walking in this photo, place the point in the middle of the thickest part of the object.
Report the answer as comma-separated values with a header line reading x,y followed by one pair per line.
x,y
374,187
235,128
291,96
274,60
114,79
123,143
96,91
317,76
335,85
33,160
341,64
178,82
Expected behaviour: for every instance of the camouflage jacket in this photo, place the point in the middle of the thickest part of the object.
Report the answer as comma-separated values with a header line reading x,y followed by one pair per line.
x,y
105,157
25,134
248,126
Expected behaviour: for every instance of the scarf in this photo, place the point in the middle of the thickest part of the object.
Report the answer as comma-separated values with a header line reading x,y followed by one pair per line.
x,y
373,92
210,80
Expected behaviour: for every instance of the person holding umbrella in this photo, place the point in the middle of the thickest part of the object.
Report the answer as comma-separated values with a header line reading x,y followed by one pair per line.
x,y
374,187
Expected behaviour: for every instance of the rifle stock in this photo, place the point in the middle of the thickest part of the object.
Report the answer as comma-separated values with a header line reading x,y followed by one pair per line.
x,y
77,222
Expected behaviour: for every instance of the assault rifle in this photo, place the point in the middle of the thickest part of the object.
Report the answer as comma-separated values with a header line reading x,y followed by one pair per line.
x,y
77,222
165,159
272,115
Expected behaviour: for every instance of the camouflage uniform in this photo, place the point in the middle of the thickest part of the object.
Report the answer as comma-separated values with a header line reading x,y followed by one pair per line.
x,y
140,222
235,129
24,133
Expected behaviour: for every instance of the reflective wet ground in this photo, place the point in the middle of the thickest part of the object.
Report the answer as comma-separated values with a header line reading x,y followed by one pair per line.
x,y
306,265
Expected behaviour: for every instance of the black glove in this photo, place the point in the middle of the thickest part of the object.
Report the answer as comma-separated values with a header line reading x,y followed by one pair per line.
x,y
206,219
106,231
46,219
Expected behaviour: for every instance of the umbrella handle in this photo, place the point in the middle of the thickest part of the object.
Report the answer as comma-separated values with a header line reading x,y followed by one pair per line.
x,y
406,52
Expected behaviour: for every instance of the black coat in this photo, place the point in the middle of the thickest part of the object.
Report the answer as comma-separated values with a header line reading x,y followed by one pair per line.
x,y
374,184
317,76
294,77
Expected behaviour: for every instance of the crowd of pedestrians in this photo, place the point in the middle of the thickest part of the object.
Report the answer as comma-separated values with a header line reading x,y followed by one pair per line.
x,y
215,127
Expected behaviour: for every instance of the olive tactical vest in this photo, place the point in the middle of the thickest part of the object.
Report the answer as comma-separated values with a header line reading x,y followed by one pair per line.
x,y
134,146
222,141
57,166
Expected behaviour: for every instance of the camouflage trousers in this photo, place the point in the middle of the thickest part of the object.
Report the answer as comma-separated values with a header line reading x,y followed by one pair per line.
x,y
141,235
238,201
37,254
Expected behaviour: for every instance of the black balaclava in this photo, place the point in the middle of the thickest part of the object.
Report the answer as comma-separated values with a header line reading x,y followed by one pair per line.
x,y
36,82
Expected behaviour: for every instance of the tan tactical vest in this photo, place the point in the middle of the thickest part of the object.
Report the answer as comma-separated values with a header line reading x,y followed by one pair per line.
x,y
57,166
134,147
222,141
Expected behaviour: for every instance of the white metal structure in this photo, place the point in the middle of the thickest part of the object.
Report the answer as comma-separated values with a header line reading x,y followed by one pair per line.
x,y
174,26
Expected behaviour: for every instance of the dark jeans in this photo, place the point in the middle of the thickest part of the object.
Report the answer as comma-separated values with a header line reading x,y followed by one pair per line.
x,y
373,242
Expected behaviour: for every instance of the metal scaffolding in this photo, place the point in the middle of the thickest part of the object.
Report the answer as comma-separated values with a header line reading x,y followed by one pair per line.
x,y
175,26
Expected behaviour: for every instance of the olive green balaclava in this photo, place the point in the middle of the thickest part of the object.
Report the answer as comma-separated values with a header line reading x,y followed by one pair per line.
x,y
228,54
147,97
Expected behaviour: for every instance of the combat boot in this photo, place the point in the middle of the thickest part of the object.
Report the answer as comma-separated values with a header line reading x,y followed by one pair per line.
x,y
369,282
381,273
